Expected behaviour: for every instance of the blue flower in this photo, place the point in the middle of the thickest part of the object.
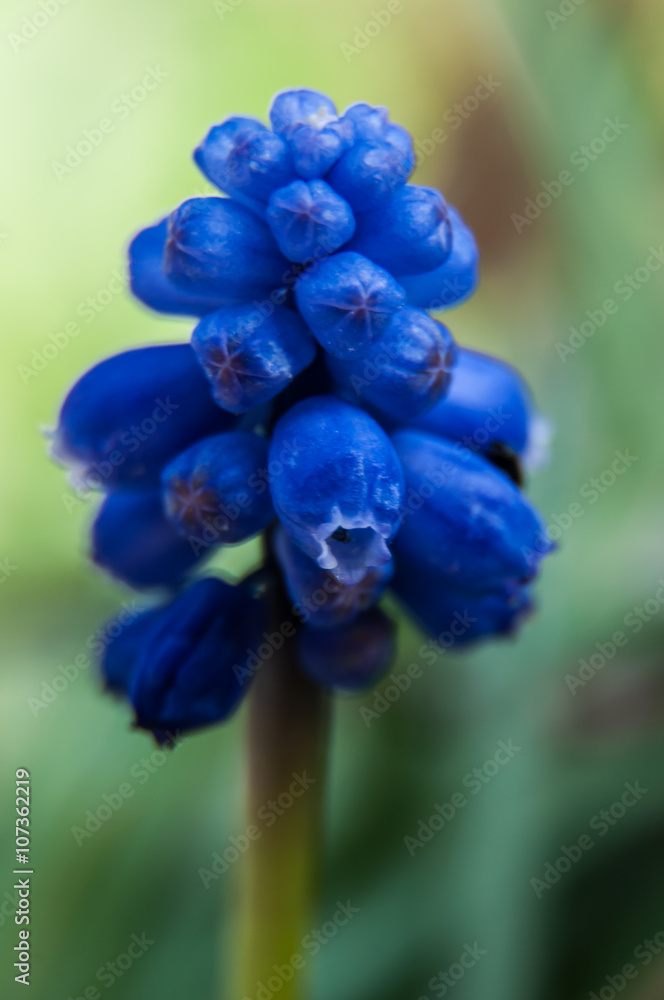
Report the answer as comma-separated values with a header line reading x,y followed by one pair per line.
x,y
134,541
149,283
348,302
187,672
488,408
126,417
464,518
216,485
408,371
246,160
456,617
218,247
310,284
353,656
319,598
340,491
309,220
411,234
309,123
249,356
452,282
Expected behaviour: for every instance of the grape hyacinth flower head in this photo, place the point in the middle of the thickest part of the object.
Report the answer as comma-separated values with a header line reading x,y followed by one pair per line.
x,y
340,493
318,392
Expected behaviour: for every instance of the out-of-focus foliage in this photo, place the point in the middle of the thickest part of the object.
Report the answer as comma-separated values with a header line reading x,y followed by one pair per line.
x,y
537,87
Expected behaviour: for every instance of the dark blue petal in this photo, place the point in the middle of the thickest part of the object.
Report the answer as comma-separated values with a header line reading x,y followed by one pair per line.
x,y
319,599
336,485
352,656
370,173
412,233
218,488
190,672
455,280
250,355
488,404
133,540
309,220
464,518
246,160
407,372
130,414
457,618
348,302
122,646
149,283
220,248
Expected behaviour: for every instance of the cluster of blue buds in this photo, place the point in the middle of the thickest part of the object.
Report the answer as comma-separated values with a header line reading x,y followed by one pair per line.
x,y
318,403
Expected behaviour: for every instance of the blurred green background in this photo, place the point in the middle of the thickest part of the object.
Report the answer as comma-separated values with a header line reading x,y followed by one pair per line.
x,y
557,74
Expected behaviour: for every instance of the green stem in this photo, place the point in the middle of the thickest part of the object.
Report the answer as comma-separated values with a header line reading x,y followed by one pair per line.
x,y
288,729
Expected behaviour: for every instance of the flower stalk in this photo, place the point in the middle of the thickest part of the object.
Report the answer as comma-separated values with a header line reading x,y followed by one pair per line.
x,y
288,735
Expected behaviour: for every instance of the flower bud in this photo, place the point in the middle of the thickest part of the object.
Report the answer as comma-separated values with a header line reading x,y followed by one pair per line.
x,y
308,122
340,489
348,302
133,540
309,221
249,356
215,486
126,417
455,280
319,598
149,283
188,674
246,160
217,247
464,518
406,373
353,656
411,234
